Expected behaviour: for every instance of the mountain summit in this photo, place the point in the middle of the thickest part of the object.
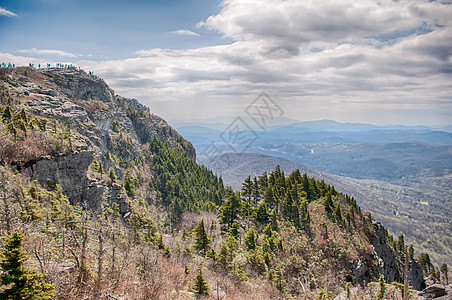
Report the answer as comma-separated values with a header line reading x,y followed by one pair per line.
x,y
84,121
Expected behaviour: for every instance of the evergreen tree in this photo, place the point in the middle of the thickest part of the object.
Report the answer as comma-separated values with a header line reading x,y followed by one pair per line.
x,y
230,209
202,240
234,230
223,256
338,214
382,290
250,239
199,284
276,276
328,203
444,271
256,193
112,175
305,217
247,190
100,168
18,282
426,264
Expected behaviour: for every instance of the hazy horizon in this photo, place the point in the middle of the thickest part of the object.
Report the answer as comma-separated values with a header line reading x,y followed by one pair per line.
x,y
212,119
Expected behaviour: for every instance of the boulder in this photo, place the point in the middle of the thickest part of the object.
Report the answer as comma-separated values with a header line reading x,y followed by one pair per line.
x,y
434,291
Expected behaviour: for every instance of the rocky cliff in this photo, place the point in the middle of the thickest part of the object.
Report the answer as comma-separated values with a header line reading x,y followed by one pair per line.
x,y
387,261
98,124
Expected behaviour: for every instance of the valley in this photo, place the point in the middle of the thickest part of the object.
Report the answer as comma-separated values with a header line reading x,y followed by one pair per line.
x,y
406,184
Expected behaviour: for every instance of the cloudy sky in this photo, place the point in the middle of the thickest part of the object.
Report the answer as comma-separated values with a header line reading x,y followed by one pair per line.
x,y
381,62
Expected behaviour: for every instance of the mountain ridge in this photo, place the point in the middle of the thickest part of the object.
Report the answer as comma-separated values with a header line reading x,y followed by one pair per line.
x,y
96,180
380,198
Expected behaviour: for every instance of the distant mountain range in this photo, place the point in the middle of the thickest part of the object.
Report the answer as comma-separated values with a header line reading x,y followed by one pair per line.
x,y
362,151
221,123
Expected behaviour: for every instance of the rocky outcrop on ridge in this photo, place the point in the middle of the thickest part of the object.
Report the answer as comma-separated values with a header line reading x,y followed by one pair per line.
x,y
111,129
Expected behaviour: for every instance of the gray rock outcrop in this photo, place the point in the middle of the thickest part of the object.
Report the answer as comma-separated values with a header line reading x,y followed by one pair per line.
x,y
68,170
385,255
416,276
387,261
105,127
437,291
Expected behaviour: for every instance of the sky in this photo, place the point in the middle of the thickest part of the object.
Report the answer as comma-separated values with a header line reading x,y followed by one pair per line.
x,y
381,62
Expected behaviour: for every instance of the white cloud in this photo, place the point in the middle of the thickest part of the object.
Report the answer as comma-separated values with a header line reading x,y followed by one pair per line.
x,y
4,12
319,59
35,51
185,32
285,27
23,60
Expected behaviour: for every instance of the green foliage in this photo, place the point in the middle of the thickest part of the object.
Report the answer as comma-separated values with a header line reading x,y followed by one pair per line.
x,y
166,251
328,203
182,184
224,256
229,211
425,263
116,126
250,240
382,288
241,273
100,168
129,184
257,259
19,282
112,174
338,214
444,270
20,120
234,230
202,240
276,276
211,254
199,284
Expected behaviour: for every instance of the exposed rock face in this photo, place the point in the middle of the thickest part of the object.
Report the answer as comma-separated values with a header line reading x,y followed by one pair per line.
x,y
386,261
80,85
67,170
155,126
111,129
415,276
385,255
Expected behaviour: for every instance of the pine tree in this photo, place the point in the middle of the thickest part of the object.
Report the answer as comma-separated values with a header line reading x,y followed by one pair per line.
x,y
444,271
276,276
202,240
230,209
199,284
328,203
338,214
250,240
112,175
18,282
256,193
382,290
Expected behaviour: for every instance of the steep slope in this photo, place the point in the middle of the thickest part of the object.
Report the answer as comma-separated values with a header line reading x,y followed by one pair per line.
x,y
81,121
409,210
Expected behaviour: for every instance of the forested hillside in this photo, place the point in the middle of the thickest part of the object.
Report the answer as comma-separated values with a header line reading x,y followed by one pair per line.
x,y
108,201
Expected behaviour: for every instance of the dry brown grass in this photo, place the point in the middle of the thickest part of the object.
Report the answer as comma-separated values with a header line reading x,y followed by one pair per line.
x,y
30,147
